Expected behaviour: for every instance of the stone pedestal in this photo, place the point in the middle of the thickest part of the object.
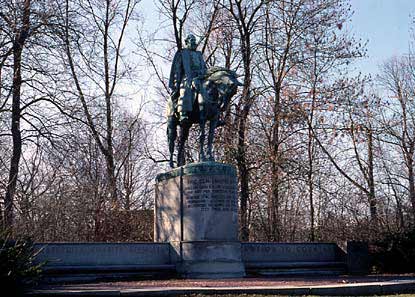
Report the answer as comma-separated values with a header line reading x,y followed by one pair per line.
x,y
196,210
358,261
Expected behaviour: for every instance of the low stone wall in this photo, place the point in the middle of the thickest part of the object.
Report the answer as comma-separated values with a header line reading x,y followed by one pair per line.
x,y
293,258
110,258
291,252
103,255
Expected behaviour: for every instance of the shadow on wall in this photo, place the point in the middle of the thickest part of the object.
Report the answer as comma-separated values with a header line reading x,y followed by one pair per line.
x,y
395,253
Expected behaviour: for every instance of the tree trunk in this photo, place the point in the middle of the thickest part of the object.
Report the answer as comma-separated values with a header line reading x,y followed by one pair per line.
x,y
112,180
274,203
244,179
273,206
310,184
242,121
371,181
20,38
17,139
411,186
109,152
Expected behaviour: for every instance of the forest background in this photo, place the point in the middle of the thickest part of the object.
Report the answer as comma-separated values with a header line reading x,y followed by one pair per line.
x,y
323,143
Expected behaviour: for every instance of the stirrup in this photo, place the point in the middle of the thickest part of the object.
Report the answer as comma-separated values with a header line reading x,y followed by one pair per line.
x,y
184,118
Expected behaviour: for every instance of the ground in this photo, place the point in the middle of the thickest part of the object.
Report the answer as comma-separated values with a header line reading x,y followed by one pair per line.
x,y
283,286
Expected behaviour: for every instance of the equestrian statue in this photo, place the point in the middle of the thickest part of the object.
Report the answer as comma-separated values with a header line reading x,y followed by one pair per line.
x,y
197,95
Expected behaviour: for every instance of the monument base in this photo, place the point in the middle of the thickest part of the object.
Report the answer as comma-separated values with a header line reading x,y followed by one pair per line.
x,y
196,211
209,259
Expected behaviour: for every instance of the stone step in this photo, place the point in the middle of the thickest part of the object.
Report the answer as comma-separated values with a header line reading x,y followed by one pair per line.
x,y
65,269
289,270
82,274
296,268
86,278
294,272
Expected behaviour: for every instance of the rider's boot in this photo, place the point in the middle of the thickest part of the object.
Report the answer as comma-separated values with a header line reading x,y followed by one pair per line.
x,y
202,156
171,136
184,117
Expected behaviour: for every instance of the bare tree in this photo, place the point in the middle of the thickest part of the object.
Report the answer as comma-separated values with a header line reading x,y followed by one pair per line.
x,y
246,16
94,41
23,25
398,78
177,12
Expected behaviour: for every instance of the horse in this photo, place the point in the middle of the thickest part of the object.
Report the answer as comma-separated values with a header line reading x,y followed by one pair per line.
x,y
220,85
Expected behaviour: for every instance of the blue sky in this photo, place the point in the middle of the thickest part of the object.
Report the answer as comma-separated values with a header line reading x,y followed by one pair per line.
x,y
386,25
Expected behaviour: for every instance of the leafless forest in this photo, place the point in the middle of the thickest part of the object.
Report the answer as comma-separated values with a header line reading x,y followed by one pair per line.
x,y
323,153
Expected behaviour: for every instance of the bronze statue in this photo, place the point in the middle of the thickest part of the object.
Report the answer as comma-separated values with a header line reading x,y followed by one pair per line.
x,y
198,95
187,72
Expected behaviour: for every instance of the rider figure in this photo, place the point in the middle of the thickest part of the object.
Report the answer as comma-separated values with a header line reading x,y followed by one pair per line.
x,y
187,75
186,79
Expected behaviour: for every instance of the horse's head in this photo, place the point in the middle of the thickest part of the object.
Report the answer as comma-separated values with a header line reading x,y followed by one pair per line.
x,y
222,84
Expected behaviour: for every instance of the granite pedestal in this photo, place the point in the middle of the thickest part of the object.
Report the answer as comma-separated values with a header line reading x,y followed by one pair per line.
x,y
196,211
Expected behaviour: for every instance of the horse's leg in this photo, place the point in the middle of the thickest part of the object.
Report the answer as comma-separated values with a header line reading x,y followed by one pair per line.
x,y
171,137
184,133
212,126
202,125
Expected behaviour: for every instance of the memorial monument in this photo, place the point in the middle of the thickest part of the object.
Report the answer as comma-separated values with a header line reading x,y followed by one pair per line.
x,y
196,206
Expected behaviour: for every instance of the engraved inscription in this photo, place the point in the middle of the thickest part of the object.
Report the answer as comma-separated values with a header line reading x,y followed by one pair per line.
x,y
103,249
217,193
291,249
275,252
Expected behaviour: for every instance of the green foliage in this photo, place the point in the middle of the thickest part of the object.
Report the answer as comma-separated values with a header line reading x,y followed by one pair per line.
x,y
17,267
394,253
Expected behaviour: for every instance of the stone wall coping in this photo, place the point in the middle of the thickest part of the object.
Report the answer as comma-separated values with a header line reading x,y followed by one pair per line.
x,y
106,267
101,243
167,243
209,241
289,243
